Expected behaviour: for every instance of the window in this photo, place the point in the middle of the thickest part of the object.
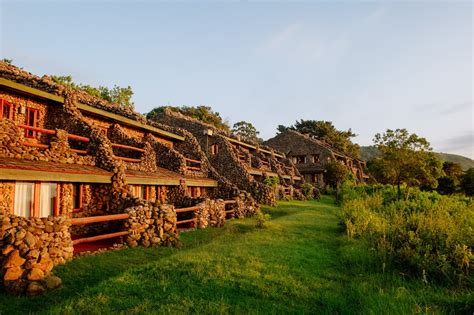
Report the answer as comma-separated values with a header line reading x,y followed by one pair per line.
x,y
77,196
315,158
35,199
300,159
137,191
6,109
214,149
24,197
48,197
32,121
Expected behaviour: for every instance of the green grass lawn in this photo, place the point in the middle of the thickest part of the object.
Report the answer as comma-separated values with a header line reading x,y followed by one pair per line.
x,y
301,263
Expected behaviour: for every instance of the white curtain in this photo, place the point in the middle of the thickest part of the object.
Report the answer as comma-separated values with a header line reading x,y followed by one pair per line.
x,y
47,199
23,199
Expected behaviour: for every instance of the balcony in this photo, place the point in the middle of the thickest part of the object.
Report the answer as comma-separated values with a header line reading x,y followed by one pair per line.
x,y
32,131
193,165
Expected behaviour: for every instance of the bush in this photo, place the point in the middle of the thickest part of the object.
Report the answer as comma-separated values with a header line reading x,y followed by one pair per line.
x,y
426,234
307,190
271,181
262,219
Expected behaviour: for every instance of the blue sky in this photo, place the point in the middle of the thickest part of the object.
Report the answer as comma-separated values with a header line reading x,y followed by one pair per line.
x,y
368,66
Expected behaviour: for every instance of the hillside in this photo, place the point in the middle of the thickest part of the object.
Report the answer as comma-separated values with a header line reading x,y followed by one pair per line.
x,y
369,152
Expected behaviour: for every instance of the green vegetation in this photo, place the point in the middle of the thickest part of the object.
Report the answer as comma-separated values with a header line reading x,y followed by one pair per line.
x,y
404,159
467,182
335,173
203,113
271,181
301,263
369,152
426,235
307,190
325,131
117,95
247,132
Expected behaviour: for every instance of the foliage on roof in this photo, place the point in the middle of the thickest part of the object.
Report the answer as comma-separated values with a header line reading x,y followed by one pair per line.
x,y
202,113
325,131
47,84
117,95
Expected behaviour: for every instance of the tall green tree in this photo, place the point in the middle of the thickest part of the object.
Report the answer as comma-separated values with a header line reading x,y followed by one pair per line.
x,y
246,131
325,130
335,173
450,181
203,113
405,159
467,182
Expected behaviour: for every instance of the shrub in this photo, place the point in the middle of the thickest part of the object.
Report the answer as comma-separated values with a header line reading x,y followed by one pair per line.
x,y
425,234
307,190
271,181
262,219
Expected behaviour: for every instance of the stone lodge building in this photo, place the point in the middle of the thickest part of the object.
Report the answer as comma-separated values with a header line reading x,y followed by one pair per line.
x,y
76,171
310,156
244,165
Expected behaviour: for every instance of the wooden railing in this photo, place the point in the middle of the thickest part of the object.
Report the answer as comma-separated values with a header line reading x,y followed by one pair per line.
x,y
52,132
194,208
184,210
193,165
96,219
127,147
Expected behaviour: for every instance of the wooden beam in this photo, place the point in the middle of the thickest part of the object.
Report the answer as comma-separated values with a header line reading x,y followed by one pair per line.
x,y
38,145
201,182
80,151
126,159
186,221
128,147
100,218
229,202
31,91
39,130
98,237
193,161
137,180
129,122
45,176
188,209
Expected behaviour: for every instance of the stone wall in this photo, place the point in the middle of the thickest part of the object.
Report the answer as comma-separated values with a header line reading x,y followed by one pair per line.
x,y
151,225
30,248
6,197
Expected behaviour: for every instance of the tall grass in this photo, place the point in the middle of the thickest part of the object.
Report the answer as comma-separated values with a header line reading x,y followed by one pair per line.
x,y
425,234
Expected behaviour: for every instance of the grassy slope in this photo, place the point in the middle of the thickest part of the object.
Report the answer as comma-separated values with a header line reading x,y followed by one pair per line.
x,y
301,263
369,152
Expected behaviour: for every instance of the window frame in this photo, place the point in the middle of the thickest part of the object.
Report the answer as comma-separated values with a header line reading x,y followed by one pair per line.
x,y
30,133
3,104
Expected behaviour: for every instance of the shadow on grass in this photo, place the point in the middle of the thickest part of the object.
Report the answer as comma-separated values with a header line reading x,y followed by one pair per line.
x,y
82,273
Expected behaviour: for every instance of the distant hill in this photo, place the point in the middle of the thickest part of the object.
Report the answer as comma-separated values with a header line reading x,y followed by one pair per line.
x,y
370,151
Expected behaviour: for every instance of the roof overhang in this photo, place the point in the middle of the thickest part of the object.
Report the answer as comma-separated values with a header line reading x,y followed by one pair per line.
x,y
250,146
271,174
87,108
52,176
254,171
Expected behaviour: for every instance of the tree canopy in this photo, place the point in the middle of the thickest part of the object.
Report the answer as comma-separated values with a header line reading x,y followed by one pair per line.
x,y
467,182
118,95
405,159
325,130
335,173
246,131
203,113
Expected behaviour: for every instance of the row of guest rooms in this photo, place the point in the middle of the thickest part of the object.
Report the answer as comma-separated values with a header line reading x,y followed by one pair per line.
x,y
42,198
